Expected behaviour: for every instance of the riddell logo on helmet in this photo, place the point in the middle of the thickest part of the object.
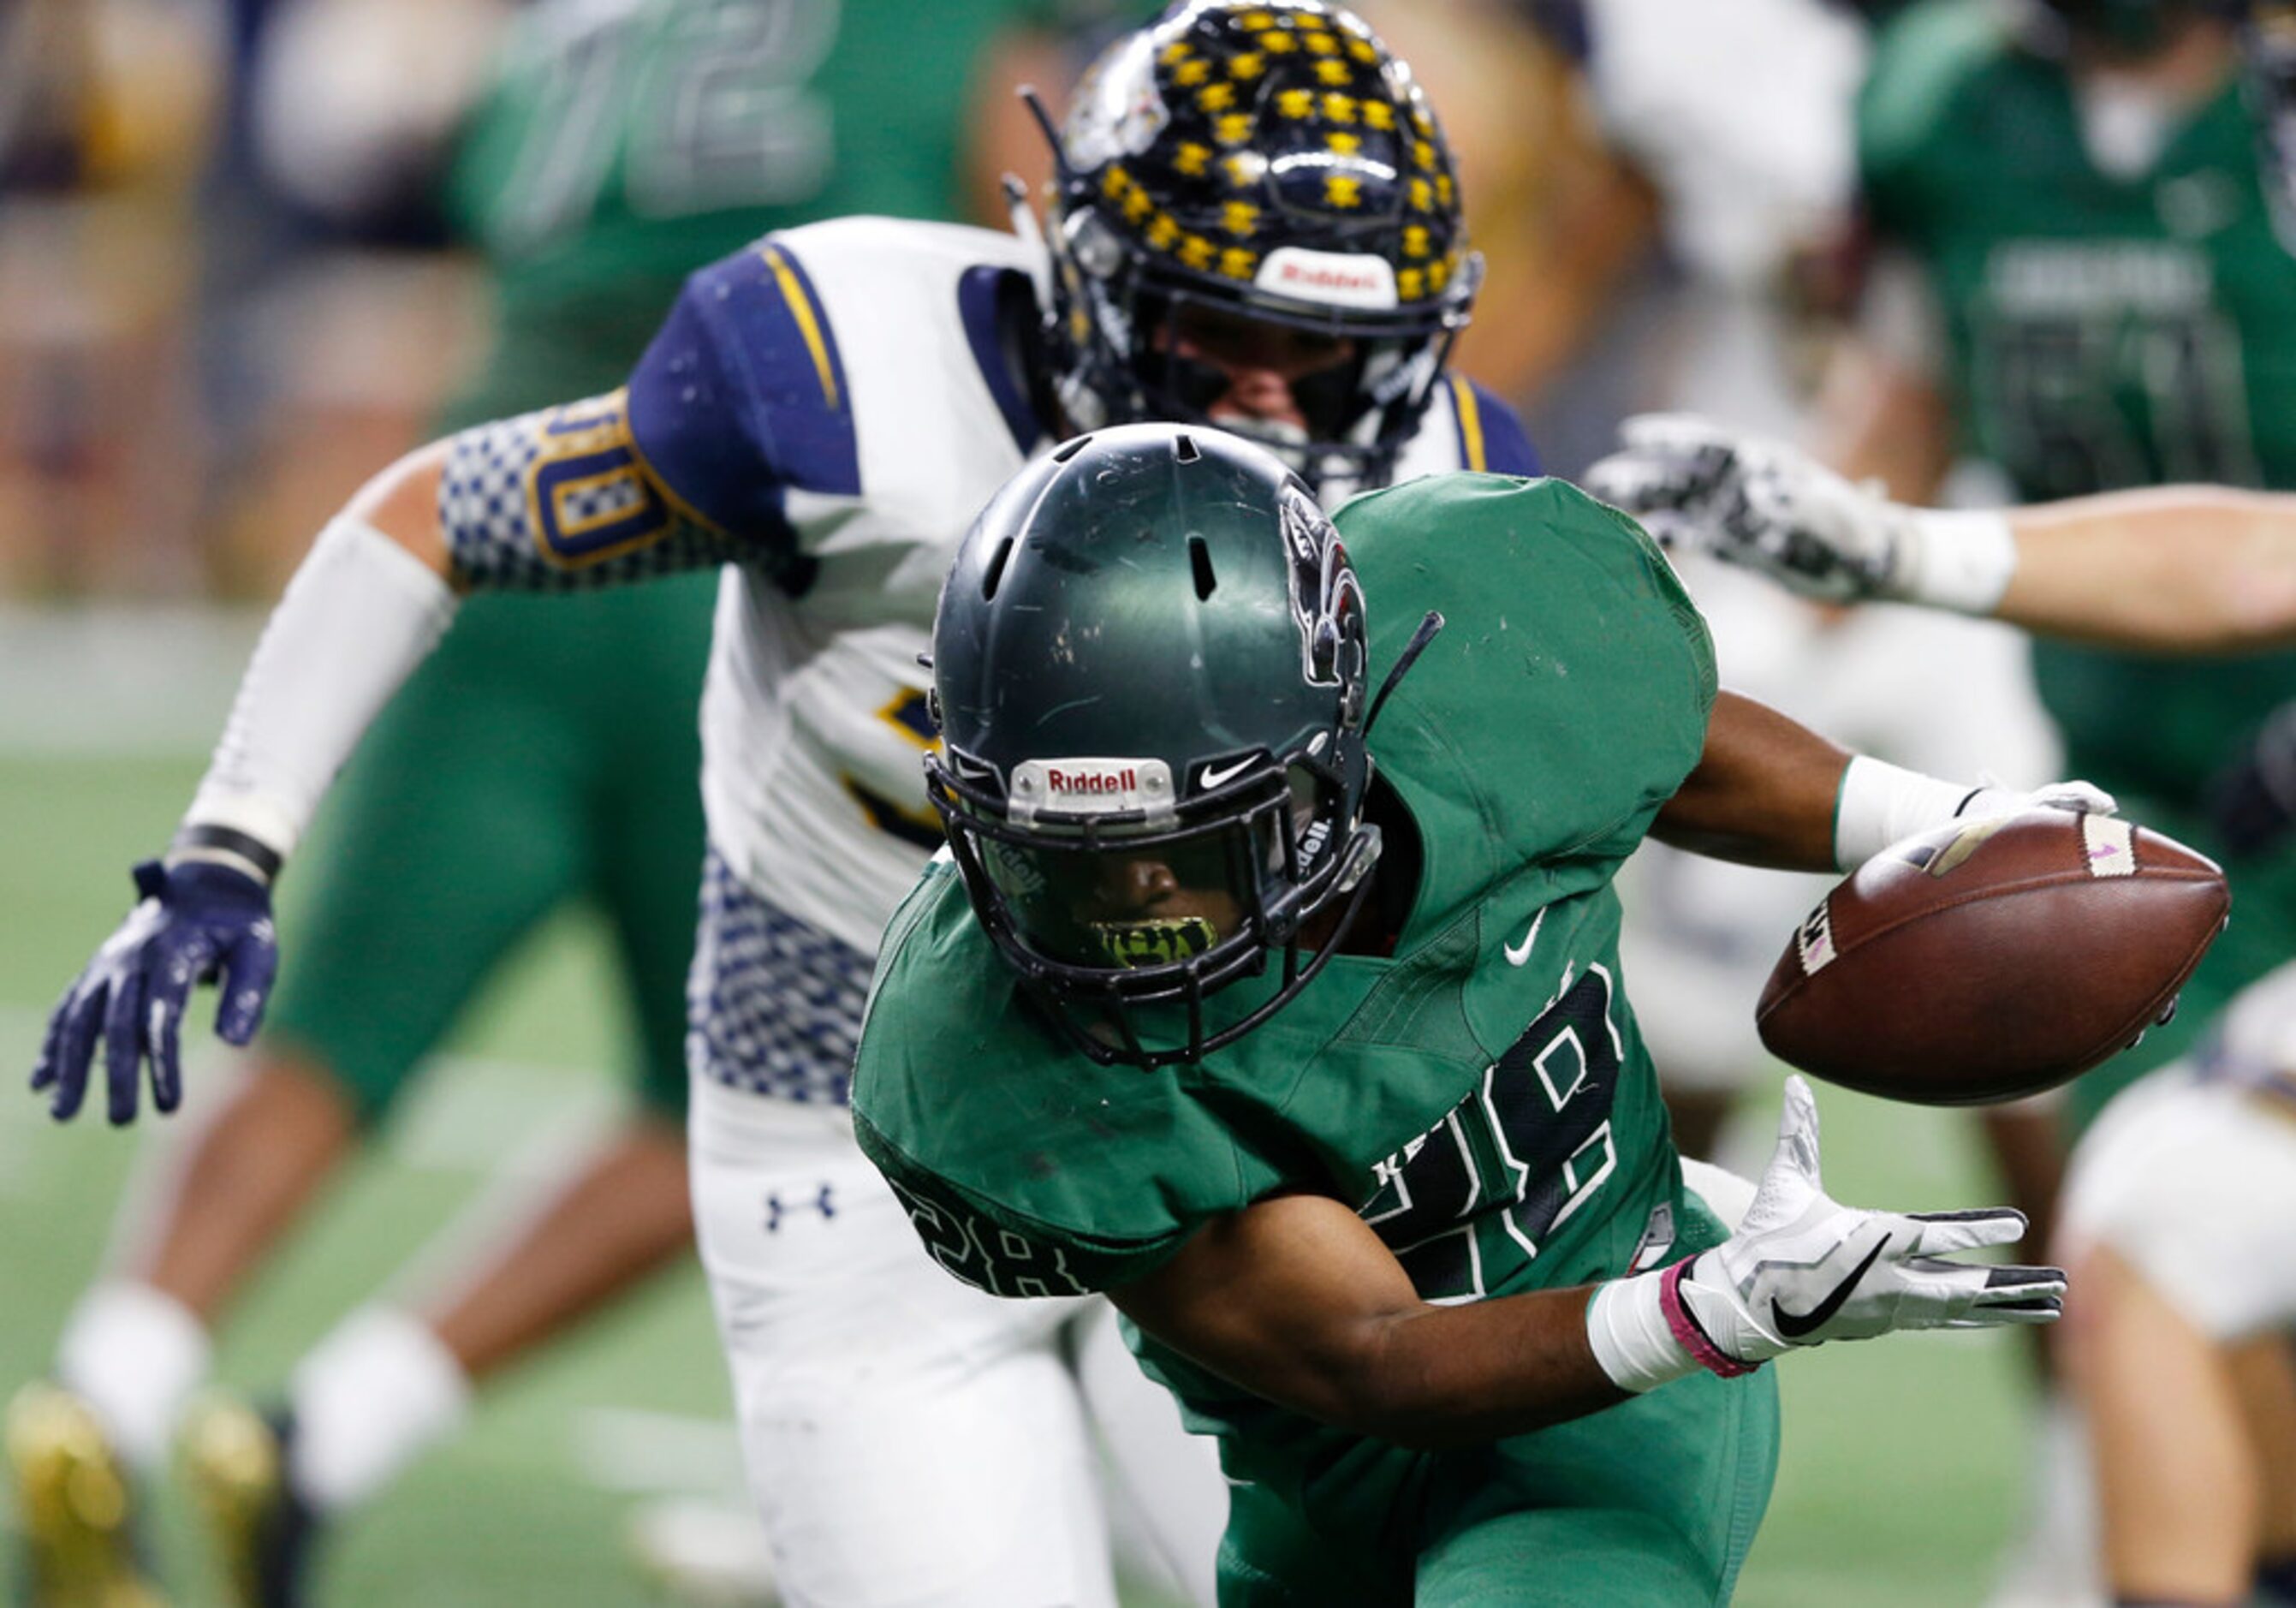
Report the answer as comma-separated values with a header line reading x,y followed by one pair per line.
x,y
1090,784
1326,278
1336,278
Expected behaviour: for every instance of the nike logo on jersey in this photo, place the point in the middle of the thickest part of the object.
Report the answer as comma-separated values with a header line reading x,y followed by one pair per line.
x,y
1793,1326
1209,778
1519,954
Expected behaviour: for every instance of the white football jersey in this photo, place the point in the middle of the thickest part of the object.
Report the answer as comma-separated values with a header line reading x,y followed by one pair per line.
x,y
891,422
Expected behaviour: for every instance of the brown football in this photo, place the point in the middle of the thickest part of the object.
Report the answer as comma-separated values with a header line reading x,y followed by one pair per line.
x,y
1993,958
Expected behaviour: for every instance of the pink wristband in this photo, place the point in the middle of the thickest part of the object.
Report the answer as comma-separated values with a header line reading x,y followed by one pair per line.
x,y
1685,1329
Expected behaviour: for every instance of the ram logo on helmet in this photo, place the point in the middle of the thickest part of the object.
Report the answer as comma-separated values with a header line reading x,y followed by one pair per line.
x,y
1326,599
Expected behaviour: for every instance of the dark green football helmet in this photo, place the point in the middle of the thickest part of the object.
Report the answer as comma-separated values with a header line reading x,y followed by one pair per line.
x,y
1149,672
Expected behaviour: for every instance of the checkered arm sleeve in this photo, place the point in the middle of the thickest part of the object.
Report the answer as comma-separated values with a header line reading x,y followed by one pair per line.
x,y
563,499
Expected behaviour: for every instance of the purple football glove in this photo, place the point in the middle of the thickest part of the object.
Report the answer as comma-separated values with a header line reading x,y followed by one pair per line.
x,y
196,922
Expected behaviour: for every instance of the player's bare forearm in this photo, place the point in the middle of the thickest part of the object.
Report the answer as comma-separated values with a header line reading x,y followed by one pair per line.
x,y
1296,1300
1763,792
401,502
2190,568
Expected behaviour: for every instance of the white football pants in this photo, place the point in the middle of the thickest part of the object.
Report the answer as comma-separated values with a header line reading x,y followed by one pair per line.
x,y
911,1442
2193,1182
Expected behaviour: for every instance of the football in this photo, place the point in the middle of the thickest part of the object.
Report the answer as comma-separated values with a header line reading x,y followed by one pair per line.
x,y
1992,958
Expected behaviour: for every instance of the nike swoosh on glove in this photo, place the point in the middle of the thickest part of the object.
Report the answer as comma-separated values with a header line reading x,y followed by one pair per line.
x,y
1803,1269
195,923
1763,504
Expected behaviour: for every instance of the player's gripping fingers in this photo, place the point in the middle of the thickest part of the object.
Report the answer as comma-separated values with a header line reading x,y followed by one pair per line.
x,y
2085,797
123,1046
163,1016
248,968
82,1023
46,1070
164,1029
176,972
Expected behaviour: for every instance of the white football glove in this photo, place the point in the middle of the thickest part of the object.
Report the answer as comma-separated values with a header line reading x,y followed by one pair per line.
x,y
1694,484
1881,804
2082,798
1803,1269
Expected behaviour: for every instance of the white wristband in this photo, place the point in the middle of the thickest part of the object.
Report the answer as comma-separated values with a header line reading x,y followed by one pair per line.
x,y
360,614
1626,1326
1881,803
1963,559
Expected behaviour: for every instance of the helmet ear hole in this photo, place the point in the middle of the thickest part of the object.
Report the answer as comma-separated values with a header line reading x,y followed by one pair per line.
x,y
1199,559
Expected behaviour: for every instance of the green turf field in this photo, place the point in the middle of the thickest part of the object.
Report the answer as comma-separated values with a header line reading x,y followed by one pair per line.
x,y
1903,1459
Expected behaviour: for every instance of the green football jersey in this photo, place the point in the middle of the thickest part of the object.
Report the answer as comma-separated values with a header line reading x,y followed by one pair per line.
x,y
1481,1096
626,142
2103,331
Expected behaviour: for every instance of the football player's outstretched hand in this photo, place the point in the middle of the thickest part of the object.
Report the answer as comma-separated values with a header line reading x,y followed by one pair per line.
x,y
196,921
1694,483
1803,1269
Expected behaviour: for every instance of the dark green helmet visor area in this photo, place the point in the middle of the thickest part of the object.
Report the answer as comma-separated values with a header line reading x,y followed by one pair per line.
x,y
1149,666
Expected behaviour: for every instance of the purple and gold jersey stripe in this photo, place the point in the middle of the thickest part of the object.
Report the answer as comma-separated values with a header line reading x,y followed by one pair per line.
x,y
805,312
1491,438
1471,424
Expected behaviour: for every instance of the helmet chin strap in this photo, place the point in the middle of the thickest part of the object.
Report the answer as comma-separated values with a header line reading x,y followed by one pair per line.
x,y
1030,233
1412,649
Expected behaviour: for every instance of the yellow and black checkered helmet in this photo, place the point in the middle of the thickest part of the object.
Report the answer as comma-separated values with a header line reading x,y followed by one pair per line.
x,y
1272,159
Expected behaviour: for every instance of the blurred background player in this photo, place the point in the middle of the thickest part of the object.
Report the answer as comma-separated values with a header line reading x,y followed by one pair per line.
x,y
2174,1220
2177,1199
618,146
1751,173
2077,279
